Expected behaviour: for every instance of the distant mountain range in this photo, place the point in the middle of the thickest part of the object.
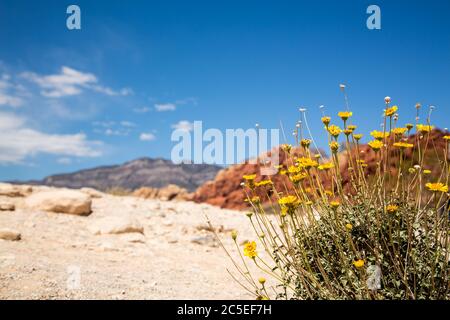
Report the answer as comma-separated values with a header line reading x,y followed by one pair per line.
x,y
143,172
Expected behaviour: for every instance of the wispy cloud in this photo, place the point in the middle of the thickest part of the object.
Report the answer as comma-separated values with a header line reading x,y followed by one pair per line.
x,y
141,110
64,161
128,124
183,125
70,82
172,106
8,93
113,128
147,136
165,107
19,142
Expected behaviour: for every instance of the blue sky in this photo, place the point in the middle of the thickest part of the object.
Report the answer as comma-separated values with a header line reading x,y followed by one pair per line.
x,y
114,90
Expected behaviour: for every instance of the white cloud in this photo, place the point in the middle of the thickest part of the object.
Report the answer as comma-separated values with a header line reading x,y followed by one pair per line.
x,y
65,161
105,124
183,125
141,110
19,142
7,98
70,82
127,124
111,92
112,128
147,136
165,107
191,100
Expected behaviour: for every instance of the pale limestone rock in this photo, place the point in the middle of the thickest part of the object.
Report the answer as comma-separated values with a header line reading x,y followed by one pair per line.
x,y
116,225
7,206
60,201
11,190
8,234
94,194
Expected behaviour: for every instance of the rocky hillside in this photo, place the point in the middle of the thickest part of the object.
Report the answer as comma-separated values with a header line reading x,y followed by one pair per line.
x,y
84,244
144,172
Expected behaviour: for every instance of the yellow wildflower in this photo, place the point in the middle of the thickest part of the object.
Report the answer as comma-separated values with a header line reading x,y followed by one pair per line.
x,y
447,137
403,145
392,208
255,200
390,111
376,145
344,115
349,226
288,204
334,146
289,201
326,166
438,186
334,204
328,193
351,127
263,183
424,128
250,250
294,169
249,177
358,263
348,132
306,162
234,234
298,177
286,147
379,135
305,143
326,120
357,136
334,130
262,280
426,171
399,131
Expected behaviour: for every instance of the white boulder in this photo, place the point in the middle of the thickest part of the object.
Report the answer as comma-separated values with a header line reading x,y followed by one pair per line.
x,y
116,225
60,201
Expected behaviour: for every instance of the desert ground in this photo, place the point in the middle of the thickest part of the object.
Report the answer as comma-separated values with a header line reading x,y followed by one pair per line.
x,y
126,248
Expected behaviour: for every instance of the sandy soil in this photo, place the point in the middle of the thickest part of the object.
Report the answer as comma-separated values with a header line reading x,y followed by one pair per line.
x,y
58,256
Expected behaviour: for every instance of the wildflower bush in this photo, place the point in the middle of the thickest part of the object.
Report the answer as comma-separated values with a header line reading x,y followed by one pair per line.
x,y
384,236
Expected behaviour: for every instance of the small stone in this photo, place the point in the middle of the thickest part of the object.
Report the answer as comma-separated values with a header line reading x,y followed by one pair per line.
x,y
116,225
205,240
133,237
11,235
7,207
